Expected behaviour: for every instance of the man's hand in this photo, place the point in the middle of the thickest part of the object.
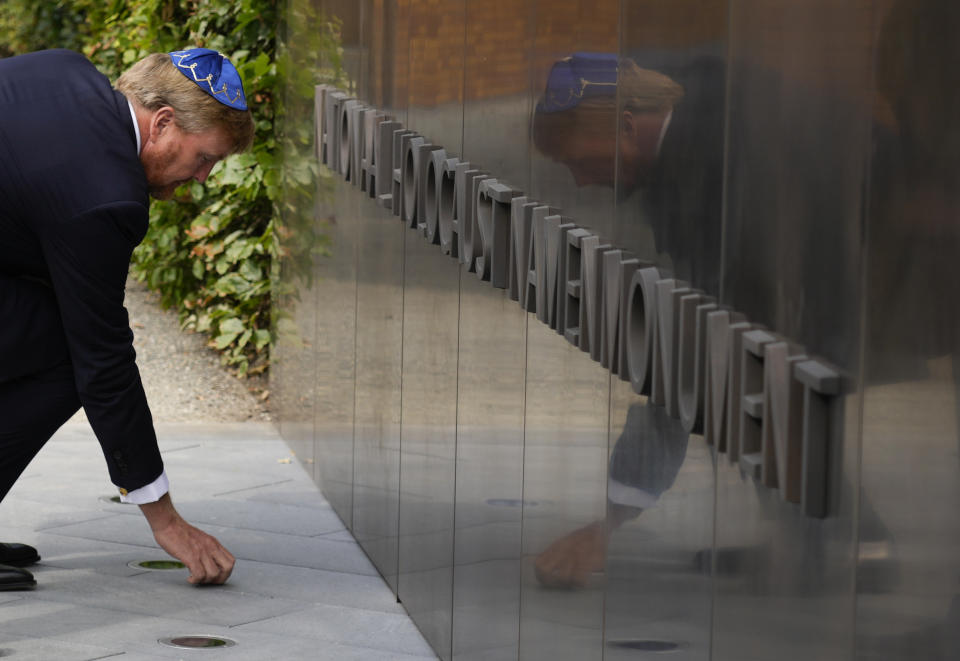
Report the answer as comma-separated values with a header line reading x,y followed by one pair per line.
x,y
569,561
203,555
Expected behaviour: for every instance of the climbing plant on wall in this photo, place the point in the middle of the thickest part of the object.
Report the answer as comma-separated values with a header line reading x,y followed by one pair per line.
x,y
211,251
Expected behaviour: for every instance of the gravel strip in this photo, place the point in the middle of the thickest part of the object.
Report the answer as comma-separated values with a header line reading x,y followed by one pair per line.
x,y
183,378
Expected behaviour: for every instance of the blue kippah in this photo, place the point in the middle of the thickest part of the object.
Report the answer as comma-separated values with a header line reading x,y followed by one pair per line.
x,y
213,73
580,76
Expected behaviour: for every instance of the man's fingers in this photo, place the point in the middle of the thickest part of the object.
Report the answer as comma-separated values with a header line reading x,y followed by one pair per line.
x,y
226,562
215,564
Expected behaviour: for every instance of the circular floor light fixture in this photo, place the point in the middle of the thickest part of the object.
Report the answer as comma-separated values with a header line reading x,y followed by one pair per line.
x,y
511,502
195,642
156,565
644,645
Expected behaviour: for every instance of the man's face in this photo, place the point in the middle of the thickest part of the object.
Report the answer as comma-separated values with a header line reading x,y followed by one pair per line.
x,y
172,157
592,156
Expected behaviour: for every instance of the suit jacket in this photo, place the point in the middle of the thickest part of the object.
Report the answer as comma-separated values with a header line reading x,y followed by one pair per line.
x,y
682,201
73,205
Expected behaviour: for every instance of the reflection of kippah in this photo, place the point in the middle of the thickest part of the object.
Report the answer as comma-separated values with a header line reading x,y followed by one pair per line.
x,y
213,73
580,76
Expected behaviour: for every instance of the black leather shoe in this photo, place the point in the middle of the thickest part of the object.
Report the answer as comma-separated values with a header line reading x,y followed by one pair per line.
x,y
13,578
18,555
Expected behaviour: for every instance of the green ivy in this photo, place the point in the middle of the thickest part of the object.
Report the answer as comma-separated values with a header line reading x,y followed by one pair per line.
x,y
213,251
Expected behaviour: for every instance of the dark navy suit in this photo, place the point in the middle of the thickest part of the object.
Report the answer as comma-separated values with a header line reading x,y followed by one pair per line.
x,y
73,205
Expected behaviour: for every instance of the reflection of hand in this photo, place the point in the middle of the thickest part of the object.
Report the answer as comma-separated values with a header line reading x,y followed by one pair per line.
x,y
571,559
203,555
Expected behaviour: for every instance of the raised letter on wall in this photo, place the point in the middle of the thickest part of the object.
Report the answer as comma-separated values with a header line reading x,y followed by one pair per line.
x,y
618,268
718,364
642,329
669,292
555,247
521,210
820,396
751,389
691,370
493,222
432,193
467,202
782,421
447,208
383,156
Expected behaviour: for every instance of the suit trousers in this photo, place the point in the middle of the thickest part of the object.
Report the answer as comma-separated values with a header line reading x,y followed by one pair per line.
x,y
37,389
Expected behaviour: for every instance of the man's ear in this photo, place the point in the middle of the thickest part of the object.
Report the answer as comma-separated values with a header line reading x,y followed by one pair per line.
x,y
161,122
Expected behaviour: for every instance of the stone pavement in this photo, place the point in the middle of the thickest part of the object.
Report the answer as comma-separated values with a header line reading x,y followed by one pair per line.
x,y
301,588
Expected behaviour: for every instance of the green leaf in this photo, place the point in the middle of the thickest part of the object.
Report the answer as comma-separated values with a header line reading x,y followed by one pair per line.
x,y
250,270
260,338
231,325
224,340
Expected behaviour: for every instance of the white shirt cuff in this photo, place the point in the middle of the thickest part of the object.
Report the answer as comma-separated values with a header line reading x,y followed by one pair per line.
x,y
621,494
150,493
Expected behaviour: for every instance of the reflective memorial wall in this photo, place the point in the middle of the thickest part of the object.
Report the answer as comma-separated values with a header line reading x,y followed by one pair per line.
x,y
634,333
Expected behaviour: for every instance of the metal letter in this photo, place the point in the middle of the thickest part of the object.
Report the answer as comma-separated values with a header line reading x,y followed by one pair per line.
x,y
591,273
717,373
536,274
642,328
493,223
555,241
752,405
691,371
782,432
618,268
319,120
821,387
383,156
469,233
344,131
522,212
573,285
669,292
447,207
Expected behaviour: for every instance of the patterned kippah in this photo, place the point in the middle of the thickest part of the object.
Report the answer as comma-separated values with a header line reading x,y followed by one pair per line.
x,y
580,76
213,73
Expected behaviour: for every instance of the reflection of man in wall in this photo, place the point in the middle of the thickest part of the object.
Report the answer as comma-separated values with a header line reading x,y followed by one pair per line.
x,y
656,138
575,122
613,123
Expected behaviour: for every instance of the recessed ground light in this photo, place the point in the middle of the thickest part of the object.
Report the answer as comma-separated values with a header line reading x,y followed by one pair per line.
x,y
511,502
156,565
644,645
196,642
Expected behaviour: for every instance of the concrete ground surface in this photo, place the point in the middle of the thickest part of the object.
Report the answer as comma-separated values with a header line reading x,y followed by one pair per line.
x,y
301,589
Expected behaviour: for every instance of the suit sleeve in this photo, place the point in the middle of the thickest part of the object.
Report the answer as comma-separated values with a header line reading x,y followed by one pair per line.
x,y
88,257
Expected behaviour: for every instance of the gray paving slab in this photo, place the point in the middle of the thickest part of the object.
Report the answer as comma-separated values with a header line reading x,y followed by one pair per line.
x,y
104,557
314,586
17,513
349,626
290,494
159,594
341,536
38,649
269,517
302,587
248,544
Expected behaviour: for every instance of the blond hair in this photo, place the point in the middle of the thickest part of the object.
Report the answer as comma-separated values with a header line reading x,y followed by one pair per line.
x,y
154,82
